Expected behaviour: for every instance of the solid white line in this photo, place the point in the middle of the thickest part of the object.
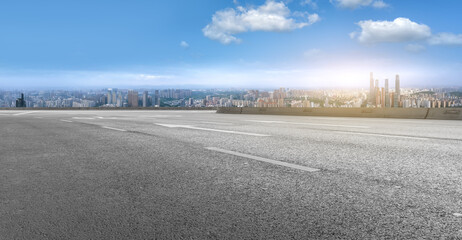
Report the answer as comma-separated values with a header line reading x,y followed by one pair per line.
x,y
116,129
384,135
285,164
23,113
212,130
312,124
62,120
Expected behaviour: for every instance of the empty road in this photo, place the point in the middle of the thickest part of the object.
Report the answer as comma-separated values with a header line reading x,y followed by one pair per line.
x,y
203,175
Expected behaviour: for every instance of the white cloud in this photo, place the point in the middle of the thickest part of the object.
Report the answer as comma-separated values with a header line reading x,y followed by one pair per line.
x,y
353,4
184,44
379,4
271,17
446,39
400,30
415,48
310,3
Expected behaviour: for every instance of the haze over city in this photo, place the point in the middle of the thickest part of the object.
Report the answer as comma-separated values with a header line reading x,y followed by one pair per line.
x,y
248,44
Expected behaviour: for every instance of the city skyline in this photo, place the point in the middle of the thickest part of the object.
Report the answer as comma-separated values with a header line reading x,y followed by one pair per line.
x,y
377,96
315,43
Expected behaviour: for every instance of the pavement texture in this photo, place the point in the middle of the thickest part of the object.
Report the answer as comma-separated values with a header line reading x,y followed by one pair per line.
x,y
156,175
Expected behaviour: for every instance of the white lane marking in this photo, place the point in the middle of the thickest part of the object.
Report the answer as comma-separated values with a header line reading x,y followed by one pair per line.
x,y
261,159
88,118
106,117
385,135
212,130
62,120
311,124
116,129
23,113
161,116
218,123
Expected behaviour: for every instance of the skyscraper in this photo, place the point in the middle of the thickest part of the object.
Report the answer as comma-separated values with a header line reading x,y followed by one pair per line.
x,y
132,98
119,102
145,98
109,96
372,90
20,102
377,93
387,95
156,99
114,97
397,92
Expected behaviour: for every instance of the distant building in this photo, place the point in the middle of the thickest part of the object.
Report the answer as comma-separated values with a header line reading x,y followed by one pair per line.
x,y
387,94
156,99
132,98
20,102
145,98
109,96
372,90
397,92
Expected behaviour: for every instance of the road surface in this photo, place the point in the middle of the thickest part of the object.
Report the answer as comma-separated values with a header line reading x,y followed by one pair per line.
x,y
202,175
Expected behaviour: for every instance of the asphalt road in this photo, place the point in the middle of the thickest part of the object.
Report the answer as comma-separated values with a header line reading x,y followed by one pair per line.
x,y
202,175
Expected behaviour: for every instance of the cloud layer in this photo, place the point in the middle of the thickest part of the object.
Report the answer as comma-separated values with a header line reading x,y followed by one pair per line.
x,y
446,39
399,30
272,16
403,30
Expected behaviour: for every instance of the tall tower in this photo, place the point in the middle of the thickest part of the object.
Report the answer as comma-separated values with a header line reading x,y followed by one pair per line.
x,y
20,102
387,95
145,98
377,93
132,98
156,99
371,90
109,96
397,92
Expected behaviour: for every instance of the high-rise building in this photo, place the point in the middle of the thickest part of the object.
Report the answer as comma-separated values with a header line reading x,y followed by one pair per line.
x,y
397,92
20,102
114,97
132,98
109,96
145,98
371,90
156,99
119,102
387,95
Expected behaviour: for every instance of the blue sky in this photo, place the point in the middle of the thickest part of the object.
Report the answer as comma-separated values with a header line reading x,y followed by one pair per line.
x,y
210,43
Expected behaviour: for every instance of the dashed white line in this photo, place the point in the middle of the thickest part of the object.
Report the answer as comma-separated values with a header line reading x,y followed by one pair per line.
x,y
87,118
385,135
212,130
311,124
62,120
115,129
23,113
218,123
261,159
